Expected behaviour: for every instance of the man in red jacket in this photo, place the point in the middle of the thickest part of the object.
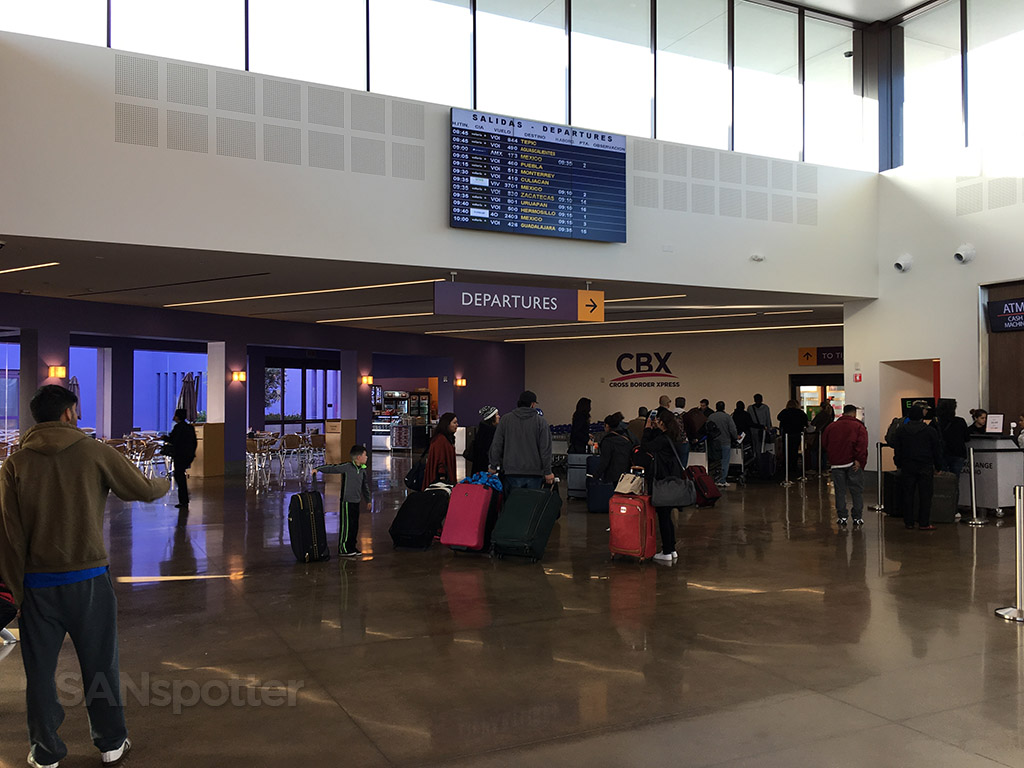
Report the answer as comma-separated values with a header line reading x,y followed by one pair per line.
x,y
846,443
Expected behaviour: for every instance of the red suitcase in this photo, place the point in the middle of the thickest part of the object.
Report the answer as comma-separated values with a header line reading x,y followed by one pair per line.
x,y
707,491
632,523
472,510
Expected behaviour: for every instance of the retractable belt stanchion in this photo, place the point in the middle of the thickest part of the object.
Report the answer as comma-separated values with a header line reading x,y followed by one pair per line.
x,y
1016,613
821,466
786,484
974,519
803,459
879,506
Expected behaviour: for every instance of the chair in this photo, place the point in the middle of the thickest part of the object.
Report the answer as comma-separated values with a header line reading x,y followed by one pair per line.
x,y
291,447
318,449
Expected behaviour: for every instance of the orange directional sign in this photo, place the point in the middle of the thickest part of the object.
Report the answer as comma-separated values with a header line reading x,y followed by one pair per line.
x,y
807,355
590,306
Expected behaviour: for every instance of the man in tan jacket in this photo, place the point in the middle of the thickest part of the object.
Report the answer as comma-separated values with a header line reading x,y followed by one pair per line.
x,y
53,492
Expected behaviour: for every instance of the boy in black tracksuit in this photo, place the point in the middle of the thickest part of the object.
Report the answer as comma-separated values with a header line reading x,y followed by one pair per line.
x,y
355,489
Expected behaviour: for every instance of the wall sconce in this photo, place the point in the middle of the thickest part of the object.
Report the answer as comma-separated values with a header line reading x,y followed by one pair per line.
x,y
460,382
366,379
58,371
238,375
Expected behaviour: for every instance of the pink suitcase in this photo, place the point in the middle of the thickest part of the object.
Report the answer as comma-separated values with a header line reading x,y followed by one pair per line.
x,y
471,514
632,523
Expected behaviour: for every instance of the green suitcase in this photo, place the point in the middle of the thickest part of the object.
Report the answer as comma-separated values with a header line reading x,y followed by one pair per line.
x,y
525,523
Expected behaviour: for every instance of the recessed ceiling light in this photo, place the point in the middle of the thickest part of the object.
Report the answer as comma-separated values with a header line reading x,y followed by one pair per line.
x,y
30,266
603,322
789,312
646,298
374,317
682,333
303,293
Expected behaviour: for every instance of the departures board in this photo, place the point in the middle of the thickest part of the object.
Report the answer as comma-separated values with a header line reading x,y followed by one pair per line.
x,y
525,177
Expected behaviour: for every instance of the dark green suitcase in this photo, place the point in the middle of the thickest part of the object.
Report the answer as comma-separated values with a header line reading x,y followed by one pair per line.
x,y
525,523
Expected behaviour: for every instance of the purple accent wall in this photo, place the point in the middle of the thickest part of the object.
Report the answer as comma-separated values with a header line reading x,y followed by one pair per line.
x,y
495,371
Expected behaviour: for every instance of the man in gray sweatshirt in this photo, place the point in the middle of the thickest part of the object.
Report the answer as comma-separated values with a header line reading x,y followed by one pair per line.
x,y
721,446
522,446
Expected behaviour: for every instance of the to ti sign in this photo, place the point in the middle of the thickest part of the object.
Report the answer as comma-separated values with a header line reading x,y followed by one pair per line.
x,y
820,356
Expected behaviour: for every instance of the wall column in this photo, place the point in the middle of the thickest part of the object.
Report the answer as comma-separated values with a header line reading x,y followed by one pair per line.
x,y
40,348
256,385
226,399
355,397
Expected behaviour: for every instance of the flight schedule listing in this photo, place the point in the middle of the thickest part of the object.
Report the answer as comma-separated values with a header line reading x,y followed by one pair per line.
x,y
522,176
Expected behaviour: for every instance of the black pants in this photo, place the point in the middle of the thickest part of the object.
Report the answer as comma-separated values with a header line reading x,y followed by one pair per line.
x,y
667,529
348,526
920,481
182,482
88,612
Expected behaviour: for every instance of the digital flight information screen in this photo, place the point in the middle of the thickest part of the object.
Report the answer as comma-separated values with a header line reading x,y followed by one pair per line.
x,y
526,177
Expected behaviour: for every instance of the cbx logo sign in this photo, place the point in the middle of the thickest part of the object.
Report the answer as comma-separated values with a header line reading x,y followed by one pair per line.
x,y
651,368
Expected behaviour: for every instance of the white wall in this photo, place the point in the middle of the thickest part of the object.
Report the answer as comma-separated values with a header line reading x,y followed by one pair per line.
x,y
727,366
932,310
66,177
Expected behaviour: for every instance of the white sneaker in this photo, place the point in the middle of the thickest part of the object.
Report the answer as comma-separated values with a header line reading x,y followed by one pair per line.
x,y
115,756
675,556
661,557
722,485
35,764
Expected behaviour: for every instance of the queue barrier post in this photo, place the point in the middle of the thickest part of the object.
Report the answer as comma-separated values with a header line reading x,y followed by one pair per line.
x,y
803,459
879,506
821,466
787,482
1016,612
974,520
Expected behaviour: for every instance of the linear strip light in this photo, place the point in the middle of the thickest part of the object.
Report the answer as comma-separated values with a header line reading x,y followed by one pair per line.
x,y
646,298
602,322
789,312
304,293
30,266
374,317
682,333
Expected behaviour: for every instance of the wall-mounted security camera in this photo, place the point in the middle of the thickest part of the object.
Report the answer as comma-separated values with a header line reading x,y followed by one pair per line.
x,y
2,244
757,257
964,254
903,263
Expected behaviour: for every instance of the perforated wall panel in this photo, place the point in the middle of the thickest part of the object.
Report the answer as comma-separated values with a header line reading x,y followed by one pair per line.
x,y
236,93
408,161
188,85
326,107
188,131
327,150
757,206
236,138
703,199
807,179
407,119
1002,192
367,113
969,199
674,193
807,211
645,192
136,76
703,164
136,124
282,100
757,171
782,209
282,144
782,175
730,168
368,155
645,156
730,202
676,160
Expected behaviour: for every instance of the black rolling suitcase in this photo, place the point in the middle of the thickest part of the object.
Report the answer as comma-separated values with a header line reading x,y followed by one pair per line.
x,y
525,523
945,497
598,493
307,529
420,518
892,493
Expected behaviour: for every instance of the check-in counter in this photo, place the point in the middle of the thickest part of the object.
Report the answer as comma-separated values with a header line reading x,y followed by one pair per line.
x,y
995,474
209,461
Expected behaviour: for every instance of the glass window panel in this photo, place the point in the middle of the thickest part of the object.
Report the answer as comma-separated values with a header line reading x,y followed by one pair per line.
x,y
322,41
422,49
273,388
769,119
205,31
292,394
694,97
612,70
996,37
82,364
315,395
508,83
78,21
10,372
842,127
932,106
333,394
158,379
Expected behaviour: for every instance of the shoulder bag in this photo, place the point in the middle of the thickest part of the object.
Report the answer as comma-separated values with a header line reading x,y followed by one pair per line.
x,y
674,491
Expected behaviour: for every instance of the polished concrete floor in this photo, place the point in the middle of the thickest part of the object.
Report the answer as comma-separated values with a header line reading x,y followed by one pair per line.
x,y
777,640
